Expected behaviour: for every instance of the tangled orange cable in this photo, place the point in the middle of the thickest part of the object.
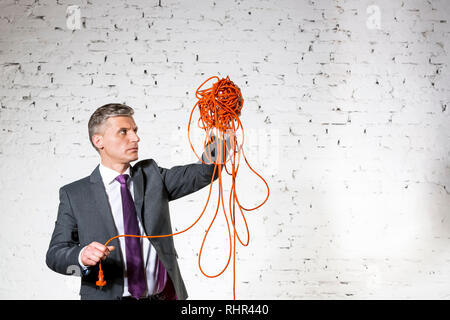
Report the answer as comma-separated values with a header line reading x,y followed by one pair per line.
x,y
220,107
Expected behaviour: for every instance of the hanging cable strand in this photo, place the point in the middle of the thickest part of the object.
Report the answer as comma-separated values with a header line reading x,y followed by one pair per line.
x,y
219,109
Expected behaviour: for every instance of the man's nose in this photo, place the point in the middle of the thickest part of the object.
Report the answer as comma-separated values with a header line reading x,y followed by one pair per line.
x,y
134,137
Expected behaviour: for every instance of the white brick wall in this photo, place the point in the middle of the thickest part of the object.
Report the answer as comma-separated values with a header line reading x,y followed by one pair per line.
x,y
358,120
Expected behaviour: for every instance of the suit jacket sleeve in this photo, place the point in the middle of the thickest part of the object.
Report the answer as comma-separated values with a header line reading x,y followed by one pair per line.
x,y
183,180
64,248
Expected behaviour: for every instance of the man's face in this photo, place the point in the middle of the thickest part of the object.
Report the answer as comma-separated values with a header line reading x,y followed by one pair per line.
x,y
118,140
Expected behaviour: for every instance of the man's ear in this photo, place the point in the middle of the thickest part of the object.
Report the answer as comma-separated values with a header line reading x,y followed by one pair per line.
x,y
97,140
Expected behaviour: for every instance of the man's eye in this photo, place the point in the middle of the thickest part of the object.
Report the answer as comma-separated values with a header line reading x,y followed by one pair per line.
x,y
123,131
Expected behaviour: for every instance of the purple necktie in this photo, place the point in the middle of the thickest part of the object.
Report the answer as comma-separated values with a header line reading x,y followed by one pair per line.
x,y
135,263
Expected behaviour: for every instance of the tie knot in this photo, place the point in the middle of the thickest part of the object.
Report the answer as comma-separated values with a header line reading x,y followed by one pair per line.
x,y
122,178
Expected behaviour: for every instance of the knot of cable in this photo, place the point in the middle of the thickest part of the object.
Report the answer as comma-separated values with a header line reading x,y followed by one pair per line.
x,y
219,105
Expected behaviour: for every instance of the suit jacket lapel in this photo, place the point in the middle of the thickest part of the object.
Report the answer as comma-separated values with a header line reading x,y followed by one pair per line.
x,y
101,203
147,216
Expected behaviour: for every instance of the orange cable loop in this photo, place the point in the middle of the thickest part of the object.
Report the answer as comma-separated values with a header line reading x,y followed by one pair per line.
x,y
220,107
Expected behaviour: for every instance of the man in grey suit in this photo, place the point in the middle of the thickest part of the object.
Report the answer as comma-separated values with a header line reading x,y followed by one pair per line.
x,y
94,209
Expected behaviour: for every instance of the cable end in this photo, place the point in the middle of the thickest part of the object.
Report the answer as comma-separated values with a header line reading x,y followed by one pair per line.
x,y
100,282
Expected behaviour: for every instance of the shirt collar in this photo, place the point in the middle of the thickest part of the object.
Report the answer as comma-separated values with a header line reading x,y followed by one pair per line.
x,y
109,175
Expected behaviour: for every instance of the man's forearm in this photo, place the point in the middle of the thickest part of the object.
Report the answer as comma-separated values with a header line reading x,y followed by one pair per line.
x,y
64,248
62,258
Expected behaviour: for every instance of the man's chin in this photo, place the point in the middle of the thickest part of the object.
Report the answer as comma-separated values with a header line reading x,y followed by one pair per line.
x,y
132,157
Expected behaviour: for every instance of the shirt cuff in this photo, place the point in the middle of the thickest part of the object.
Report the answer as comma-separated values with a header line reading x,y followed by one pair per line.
x,y
84,269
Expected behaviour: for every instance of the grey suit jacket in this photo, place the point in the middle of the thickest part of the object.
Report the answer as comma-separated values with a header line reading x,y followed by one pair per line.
x,y
84,215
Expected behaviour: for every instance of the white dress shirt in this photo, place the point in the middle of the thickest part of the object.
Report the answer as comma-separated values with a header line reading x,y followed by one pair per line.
x,y
112,187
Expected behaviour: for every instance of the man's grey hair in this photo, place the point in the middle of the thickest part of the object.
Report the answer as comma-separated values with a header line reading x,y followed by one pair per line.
x,y
102,114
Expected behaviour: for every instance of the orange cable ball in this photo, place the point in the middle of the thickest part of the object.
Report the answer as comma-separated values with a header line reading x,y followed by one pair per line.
x,y
220,104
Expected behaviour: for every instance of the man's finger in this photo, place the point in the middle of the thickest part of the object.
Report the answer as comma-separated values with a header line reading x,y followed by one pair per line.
x,y
93,258
91,262
97,253
98,246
